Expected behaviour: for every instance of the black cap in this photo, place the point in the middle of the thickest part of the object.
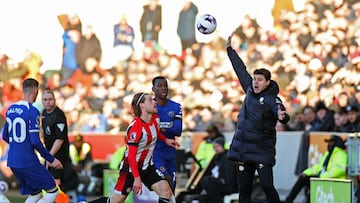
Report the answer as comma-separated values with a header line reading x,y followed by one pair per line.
x,y
220,141
352,108
333,138
337,140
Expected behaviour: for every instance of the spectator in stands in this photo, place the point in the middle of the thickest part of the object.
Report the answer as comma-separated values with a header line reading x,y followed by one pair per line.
x,y
96,123
70,21
32,62
248,32
72,26
88,50
53,81
123,40
110,112
353,117
69,62
73,121
298,122
186,24
88,55
309,116
80,154
342,100
234,115
341,120
151,21
10,71
332,165
336,56
223,119
204,119
324,118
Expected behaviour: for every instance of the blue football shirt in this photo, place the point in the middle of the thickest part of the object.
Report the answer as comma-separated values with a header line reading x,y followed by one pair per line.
x,y
21,131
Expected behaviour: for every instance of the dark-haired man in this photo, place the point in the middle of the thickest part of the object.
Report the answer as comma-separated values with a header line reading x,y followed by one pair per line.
x,y
324,118
170,124
253,145
353,116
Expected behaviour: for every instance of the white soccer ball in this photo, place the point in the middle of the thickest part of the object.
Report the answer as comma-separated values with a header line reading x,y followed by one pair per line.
x,y
206,24
4,187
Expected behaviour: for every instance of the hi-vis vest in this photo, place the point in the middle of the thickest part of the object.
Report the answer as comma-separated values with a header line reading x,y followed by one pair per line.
x,y
74,154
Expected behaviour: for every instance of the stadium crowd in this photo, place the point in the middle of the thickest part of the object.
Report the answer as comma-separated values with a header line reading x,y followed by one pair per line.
x,y
314,54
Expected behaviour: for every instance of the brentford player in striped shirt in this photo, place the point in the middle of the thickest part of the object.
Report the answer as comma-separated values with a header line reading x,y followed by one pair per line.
x,y
137,165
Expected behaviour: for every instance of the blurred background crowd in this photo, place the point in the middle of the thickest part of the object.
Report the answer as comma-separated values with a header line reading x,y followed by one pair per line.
x,y
313,53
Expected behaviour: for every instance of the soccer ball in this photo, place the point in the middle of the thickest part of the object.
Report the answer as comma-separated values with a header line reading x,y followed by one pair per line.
x,y
206,24
3,187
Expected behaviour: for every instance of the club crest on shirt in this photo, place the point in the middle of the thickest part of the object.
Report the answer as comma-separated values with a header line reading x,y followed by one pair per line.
x,y
61,126
132,136
261,100
261,166
47,130
171,114
37,124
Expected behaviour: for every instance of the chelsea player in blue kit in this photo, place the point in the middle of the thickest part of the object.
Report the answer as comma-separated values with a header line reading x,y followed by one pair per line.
x,y
21,131
170,125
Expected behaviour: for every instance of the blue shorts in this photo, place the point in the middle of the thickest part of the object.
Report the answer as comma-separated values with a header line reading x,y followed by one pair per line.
x,y
34,179
167,167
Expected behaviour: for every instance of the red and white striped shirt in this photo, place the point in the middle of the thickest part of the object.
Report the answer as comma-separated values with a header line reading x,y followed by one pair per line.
x,y
140,144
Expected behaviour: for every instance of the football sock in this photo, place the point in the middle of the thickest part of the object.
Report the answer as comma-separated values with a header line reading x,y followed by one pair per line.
x,y
49,197
173,199
164,200
33,198
101,200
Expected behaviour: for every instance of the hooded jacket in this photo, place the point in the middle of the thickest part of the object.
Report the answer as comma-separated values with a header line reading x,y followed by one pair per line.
x,y
255,135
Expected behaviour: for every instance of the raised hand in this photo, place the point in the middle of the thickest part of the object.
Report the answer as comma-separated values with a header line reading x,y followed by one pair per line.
x,y
228,43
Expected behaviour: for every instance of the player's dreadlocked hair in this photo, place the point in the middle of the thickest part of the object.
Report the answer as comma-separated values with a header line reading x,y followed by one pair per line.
x,y
137,99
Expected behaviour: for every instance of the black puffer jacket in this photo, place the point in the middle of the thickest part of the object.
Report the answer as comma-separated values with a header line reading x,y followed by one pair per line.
x,y
255,135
